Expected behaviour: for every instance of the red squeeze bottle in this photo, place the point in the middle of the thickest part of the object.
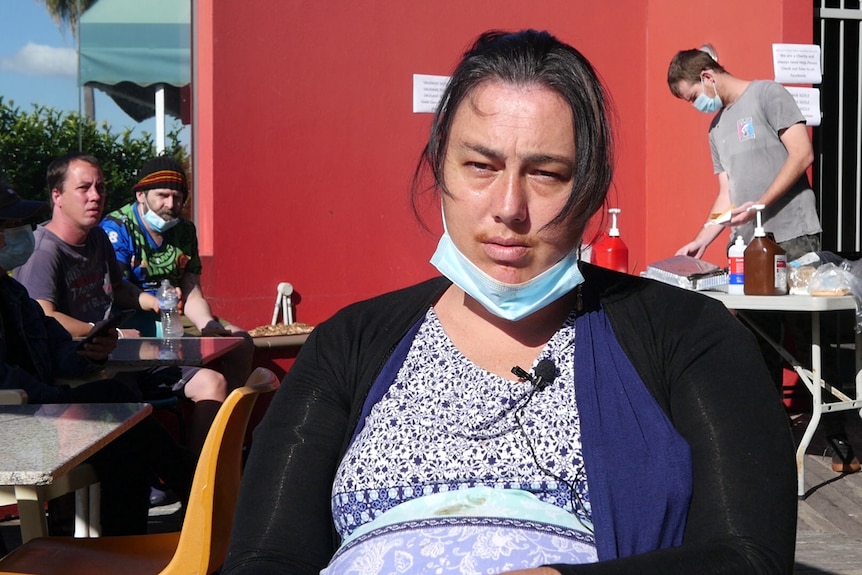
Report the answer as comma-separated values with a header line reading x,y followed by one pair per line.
x,y
610,251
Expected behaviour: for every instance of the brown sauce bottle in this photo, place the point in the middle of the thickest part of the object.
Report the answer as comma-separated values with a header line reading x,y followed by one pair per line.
x,y
765,263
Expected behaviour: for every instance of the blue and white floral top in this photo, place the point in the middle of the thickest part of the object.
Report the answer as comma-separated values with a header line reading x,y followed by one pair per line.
x,y
457,469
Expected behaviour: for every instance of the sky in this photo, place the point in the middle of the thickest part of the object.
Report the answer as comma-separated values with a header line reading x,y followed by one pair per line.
x,y
38,65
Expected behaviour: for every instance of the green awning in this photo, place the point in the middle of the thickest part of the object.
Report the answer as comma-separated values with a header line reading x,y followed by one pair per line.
x,y
128,47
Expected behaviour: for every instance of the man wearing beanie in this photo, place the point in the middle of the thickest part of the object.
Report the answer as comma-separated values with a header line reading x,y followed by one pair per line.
x,y
153,242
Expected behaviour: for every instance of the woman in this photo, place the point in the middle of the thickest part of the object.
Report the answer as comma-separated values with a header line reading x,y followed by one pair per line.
x,y
402,441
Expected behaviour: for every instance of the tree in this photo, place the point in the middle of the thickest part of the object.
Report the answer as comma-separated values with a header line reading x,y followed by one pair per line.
x,y
30,140
68,13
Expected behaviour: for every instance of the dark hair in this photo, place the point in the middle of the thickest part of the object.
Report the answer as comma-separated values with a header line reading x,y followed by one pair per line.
x,y
526,58
688,65
57,169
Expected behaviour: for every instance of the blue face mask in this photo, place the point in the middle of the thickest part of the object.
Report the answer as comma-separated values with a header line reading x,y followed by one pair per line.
x,y
18,248
704,103
508,301
157,222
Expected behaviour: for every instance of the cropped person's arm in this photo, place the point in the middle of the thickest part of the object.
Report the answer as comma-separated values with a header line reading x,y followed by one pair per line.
x,y
283,521
129,296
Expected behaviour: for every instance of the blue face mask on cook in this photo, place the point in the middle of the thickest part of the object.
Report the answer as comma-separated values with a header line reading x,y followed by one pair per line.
x,y
18,248
508,301
704,103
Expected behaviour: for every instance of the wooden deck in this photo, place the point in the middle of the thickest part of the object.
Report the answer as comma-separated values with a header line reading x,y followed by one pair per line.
x,y
829,528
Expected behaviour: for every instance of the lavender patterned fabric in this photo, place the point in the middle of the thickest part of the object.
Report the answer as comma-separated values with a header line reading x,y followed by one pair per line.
x,y
478,530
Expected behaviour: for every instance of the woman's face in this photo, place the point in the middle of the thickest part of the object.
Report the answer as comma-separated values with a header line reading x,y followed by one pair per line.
x,y
508,170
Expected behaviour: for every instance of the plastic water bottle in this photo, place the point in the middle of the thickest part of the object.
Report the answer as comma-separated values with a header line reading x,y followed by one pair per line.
x,y
172,324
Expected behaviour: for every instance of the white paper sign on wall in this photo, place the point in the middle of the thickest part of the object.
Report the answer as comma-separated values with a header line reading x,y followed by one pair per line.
x,y
796,63
808,100
427,91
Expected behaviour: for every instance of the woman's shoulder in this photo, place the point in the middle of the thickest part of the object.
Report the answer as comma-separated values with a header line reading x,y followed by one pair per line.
x,y
632,293
426,290
394,306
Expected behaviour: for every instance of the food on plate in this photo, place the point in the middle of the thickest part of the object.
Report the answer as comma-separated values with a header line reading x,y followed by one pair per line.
x,y
281,329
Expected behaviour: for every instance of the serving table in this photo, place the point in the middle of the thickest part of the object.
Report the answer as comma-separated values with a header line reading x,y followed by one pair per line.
x,y
812,377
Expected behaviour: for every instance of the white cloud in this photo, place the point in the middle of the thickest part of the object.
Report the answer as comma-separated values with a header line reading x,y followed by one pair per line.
x,y
41,60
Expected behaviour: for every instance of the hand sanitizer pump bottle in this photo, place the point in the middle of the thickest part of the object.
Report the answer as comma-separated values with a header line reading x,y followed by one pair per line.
x,y
610,251
765,263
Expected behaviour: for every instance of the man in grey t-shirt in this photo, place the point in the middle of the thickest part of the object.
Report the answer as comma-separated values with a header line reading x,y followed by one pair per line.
x,y
761,152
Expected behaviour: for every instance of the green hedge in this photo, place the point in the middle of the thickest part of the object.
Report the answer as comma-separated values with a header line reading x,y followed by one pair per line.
x,y
30,140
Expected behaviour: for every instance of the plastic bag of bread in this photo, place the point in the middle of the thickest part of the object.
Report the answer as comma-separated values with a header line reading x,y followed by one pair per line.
x,y
799,277
830,280
801,270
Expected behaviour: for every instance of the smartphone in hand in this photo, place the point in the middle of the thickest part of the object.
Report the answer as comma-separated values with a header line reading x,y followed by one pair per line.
x,y
106,326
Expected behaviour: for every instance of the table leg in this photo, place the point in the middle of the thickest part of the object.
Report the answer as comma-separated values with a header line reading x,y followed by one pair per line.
x,y
816,404
31,511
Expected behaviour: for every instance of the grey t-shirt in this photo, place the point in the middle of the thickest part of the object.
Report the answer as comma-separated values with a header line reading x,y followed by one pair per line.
x,y
744,141
78,280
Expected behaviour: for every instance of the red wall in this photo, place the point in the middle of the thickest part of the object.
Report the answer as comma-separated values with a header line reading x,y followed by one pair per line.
x,y
308,141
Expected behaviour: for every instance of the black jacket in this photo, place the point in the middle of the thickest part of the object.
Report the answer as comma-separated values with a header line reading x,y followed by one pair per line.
x,y
701,365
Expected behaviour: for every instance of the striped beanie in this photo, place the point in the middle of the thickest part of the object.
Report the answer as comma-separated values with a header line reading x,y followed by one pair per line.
x,y
162,172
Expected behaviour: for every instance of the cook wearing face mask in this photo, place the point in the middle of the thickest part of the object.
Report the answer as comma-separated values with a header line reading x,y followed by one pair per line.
x,y
761,152
706,104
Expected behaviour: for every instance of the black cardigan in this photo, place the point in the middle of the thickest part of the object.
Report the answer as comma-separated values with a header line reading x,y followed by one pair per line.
x,y
702,366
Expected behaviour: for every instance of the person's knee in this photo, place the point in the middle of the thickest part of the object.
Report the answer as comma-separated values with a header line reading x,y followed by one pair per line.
x,y
206,385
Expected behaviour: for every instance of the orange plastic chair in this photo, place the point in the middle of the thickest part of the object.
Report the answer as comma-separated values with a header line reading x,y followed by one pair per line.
x,y
200,547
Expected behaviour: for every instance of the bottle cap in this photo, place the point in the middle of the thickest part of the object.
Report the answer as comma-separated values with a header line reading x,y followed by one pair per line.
x,y
758,229
614,232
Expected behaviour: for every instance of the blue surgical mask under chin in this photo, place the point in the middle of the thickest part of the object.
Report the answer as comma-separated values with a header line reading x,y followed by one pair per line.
x,y
18,248
508,301
157,222
704,103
